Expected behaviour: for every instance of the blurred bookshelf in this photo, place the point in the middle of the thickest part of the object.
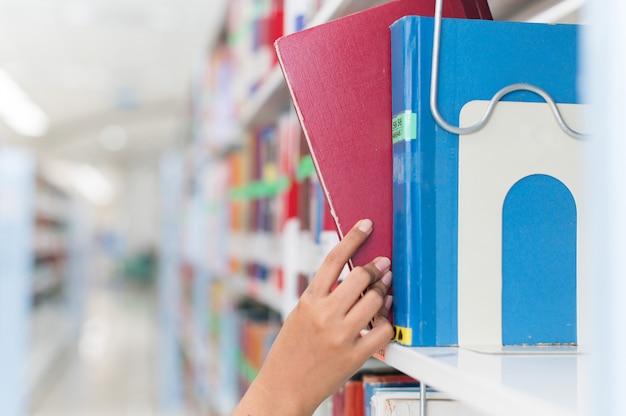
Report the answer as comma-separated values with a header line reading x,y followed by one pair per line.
x,y
251,207
43,272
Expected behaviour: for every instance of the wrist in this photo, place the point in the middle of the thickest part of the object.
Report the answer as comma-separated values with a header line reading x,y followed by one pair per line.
x,y
283,396
263,399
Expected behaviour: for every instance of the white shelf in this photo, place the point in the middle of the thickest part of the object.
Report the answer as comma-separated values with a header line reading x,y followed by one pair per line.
x,y
539,381
265,293
268,102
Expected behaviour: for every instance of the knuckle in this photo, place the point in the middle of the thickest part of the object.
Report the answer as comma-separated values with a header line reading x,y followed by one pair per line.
x,y
373,273
360,276
334,257
354,236
317,324
384,326
372,302
378,289
382,292
306,300
323,316
389,331
383,313
338,340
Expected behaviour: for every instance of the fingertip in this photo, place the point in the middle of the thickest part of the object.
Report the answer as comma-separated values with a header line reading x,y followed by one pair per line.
x,y
365,225
386,279
382,263
381,333
388,302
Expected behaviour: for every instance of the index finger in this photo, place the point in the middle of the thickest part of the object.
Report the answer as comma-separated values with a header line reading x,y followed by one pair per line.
x,y
336,259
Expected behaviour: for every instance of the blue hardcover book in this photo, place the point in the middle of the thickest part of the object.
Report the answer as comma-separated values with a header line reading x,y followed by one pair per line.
x,y
486,226
415,302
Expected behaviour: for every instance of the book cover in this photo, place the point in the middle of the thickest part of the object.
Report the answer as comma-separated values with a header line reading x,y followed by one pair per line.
x,y
338,76
446,291
372,382
395,401
405,401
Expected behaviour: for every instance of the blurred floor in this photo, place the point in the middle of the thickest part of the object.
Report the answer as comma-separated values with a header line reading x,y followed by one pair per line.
x,y
112,371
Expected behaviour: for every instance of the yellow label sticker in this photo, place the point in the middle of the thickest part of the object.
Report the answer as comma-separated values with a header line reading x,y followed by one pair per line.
x,y
403,335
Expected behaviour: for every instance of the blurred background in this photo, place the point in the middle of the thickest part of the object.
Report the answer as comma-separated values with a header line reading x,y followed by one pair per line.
x,y
94,96
91,95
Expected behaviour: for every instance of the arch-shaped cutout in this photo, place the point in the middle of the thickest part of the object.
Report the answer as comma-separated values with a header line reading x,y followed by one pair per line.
x,y
539,263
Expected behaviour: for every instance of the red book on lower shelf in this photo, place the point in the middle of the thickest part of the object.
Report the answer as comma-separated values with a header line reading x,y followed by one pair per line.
x,y
339,77
354,405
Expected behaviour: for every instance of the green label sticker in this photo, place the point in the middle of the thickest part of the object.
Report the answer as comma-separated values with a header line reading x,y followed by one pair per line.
x,y
305,168
404,126
260,189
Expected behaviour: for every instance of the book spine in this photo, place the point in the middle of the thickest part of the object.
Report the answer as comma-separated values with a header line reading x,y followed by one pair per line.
x,y
414,286
354,398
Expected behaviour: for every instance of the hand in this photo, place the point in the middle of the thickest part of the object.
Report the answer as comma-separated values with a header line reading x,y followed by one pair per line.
x,y
322,342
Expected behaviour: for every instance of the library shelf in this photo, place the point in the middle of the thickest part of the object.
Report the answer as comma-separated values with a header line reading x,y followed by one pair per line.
x,y
542,382
512,381
51,239
272,97
263,292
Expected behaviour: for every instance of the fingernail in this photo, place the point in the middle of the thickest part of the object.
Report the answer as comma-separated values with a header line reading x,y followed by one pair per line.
x,y
388,302
386,279
382,263
365,225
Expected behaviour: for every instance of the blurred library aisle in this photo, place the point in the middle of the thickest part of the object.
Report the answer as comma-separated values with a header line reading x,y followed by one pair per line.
x,y
112,369
92,95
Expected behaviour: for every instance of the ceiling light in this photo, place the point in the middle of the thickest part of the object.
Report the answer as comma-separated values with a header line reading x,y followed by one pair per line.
x,y
19,112
82,179
93,185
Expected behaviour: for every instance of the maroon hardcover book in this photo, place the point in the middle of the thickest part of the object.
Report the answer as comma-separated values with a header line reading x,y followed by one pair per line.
x,y
339,78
